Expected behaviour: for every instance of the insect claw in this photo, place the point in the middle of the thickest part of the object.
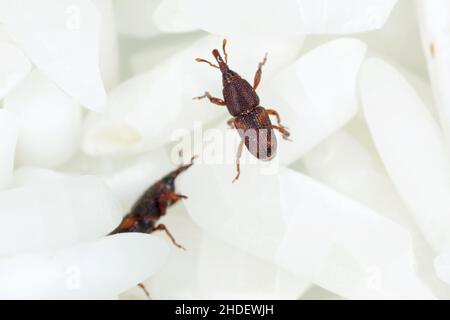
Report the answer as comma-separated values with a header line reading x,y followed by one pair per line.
x,y
142,286
192,160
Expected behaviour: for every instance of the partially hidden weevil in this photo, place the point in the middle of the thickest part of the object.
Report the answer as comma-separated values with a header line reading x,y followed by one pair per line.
x,y
249,118
151,206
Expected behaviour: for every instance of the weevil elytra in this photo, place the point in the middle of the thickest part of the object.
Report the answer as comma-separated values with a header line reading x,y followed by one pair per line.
x,y
152,205
249,117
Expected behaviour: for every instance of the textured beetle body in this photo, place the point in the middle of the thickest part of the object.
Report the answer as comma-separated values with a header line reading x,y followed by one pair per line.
x,y
146,212
250,118
152,205
239,96
257,131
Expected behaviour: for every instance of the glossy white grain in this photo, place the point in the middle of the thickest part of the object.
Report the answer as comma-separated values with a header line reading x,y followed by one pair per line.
x,y
343,17
9,132
14,67
344,246
61,39
442,267
411,146
54,211
135,18
316,95
49,121
347,166
92,270
434,19
108,44
270,17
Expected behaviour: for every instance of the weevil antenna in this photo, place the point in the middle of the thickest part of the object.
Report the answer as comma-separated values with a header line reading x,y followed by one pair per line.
x,y
206,61
225,54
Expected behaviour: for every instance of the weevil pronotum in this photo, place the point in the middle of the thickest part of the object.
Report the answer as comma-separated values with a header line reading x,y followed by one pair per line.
x,y
151,206
242,102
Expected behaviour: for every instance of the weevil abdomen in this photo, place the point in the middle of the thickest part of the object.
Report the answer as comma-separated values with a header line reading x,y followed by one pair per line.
x,y
239,96
255,127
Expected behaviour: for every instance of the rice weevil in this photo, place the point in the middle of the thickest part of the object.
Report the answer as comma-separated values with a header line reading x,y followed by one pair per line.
x,y
151,206
249,117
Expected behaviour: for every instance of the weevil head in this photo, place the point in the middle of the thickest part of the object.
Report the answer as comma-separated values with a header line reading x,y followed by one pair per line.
x,y
222,64
168,181
227,74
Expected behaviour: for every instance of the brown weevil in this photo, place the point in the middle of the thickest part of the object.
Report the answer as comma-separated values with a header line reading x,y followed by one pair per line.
x,y
249,118
152,205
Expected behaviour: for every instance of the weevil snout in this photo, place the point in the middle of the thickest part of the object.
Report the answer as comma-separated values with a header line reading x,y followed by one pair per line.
x,y
170,178
222,64
227,74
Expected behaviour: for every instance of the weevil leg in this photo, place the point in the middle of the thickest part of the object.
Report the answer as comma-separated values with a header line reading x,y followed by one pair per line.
x,y
214,100
284,133
162,227
238,157
275,113
231,124
169,198
258,73
142,286
175,197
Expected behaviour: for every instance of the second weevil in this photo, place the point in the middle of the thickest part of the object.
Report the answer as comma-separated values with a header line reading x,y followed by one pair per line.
x,y
152,205
249,117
